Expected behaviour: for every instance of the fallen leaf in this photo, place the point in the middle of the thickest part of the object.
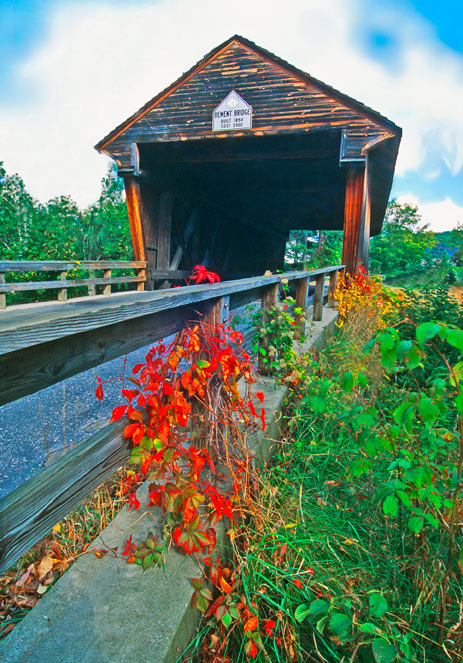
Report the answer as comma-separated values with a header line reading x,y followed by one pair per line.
x,y
45,566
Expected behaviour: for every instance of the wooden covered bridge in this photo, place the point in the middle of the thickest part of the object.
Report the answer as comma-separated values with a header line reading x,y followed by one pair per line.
x,y
218,168
243,148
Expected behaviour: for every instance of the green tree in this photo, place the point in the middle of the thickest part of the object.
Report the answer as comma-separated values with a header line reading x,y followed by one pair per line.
x,y
313,248
404,245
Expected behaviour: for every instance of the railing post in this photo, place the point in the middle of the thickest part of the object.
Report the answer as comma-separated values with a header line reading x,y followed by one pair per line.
x,y
2,295
332,288
107,288
91,288
62,292
301,300
142,273
269,301
318,296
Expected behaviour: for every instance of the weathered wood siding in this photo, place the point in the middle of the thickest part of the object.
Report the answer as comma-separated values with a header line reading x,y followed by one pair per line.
x,y
281,101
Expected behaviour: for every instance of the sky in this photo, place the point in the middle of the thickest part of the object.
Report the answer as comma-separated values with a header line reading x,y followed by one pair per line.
x,y
71,70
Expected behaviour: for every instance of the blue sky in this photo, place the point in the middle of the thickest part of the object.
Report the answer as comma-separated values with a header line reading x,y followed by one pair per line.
x,y
70,70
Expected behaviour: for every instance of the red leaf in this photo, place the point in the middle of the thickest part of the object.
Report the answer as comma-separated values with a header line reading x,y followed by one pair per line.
x,y
130,430
260,396
99,392
251,624
118,413
167,389
137,367
133,502
129,393
138,434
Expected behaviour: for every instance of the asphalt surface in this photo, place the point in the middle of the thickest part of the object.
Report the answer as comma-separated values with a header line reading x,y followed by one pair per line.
x,y
35,430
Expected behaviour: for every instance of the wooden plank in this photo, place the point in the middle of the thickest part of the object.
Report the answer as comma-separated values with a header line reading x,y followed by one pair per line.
x,y
164,222
25,371
269,301
2,296
332,289
30,511
133,199
70,283
365,224
107,277
61,265
301,299
62,292
318,297
181,249
19,329
353,217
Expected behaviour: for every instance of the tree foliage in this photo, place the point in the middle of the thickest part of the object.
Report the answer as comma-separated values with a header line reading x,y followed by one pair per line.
x,y
58,229
404,244
313,248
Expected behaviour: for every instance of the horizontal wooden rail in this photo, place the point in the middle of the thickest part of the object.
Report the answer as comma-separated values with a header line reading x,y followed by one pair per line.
x,y
66,268
61,340
30,511
68,283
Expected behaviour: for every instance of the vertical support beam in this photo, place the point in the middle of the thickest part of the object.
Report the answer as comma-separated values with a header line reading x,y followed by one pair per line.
x,y
142,273
318,297
107,287
132,194
269,301
164,223
301,299
2,295
91,288
364,236
353,217
332,288
62,292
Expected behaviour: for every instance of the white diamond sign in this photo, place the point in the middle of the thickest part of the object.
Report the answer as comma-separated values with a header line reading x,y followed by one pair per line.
x,y
233,113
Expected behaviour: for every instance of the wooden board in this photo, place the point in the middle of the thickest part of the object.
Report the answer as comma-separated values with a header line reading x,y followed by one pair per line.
x,y
30,511
283,99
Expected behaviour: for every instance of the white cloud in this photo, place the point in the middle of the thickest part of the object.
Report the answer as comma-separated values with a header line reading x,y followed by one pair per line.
x,y
97,64
439,215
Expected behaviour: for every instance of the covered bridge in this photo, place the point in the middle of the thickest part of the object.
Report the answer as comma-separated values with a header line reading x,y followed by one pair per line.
x,y
243,148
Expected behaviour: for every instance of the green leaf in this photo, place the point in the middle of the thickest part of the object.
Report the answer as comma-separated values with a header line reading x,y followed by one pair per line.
x,y
318,404
301,612
459,402
227,620
426,331
414,357
368,627
415,524
362,380
383,651
457,374
429,411
378,604
318,608
340,623
432,520
347,382
403,349
391,506
404,497
454,337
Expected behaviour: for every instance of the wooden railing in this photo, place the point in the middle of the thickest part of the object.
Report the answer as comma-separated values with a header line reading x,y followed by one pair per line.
x,y
58,342
65,269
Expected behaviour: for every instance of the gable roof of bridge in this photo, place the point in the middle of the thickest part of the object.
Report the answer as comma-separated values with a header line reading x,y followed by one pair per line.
x,y
302,100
